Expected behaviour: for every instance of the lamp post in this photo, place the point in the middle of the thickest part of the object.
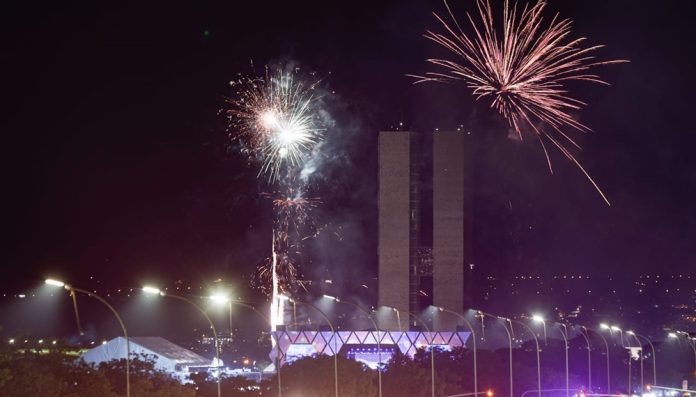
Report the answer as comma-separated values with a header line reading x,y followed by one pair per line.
x,y
73,290
333,331
379,345
432,353
157,291
538,350
589,357
538,318
654,354
606,346
615,328
676,335
564,334
483,314
473,338
642,381
221,299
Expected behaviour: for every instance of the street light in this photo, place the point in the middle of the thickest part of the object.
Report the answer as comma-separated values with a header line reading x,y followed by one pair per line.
x,y
538,318
156,291
73,290
615,328
333,331
222,299
482,315
589,357
689,341
565,340
55,283
642,382
473,338
374,324
538,350
606,346
432,352
398,316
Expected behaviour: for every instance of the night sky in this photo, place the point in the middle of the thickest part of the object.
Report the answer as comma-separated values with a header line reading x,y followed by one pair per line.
x,y
117,164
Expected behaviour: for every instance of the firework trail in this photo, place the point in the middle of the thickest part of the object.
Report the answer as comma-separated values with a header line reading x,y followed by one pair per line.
x,y
523,71
276,119
293,224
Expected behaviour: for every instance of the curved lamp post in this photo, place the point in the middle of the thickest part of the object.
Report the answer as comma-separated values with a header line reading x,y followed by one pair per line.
x,y
565,340
589,357
333,331
72,291
642,356
606,346
157,291
538,350
432,353
222,299
654,354
473,338
677,334
509,339
374,324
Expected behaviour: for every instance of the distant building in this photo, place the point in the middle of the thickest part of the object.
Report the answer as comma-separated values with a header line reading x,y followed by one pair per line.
x,y
413,275
360,346
168,357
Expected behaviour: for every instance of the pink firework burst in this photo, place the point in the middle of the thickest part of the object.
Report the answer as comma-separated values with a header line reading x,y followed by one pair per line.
x,y
522,71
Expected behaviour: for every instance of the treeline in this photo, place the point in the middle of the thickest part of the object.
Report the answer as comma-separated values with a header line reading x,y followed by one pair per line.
x,y
54,373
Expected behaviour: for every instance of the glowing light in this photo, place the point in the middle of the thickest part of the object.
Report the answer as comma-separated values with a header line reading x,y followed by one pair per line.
x,y
523,72
604,326
152,290
615,328
489,393
538,318
219,299
333,298
11,341
55,283
672,335
630,332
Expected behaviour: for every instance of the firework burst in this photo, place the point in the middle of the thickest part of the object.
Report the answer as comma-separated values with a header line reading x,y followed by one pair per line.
x,y
275,117
523,70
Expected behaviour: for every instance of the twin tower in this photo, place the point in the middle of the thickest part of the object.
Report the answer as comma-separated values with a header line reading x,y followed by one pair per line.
x,y
425,230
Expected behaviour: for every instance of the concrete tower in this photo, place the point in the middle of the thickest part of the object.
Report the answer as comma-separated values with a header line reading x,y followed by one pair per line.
x,y
394,224
448,225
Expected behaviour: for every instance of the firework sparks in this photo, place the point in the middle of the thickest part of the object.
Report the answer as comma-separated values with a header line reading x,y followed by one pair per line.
x,y
293,224
276,118
274,115
523,72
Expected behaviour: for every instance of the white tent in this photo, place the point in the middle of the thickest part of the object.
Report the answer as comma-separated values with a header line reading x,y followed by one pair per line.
x,y
168,357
